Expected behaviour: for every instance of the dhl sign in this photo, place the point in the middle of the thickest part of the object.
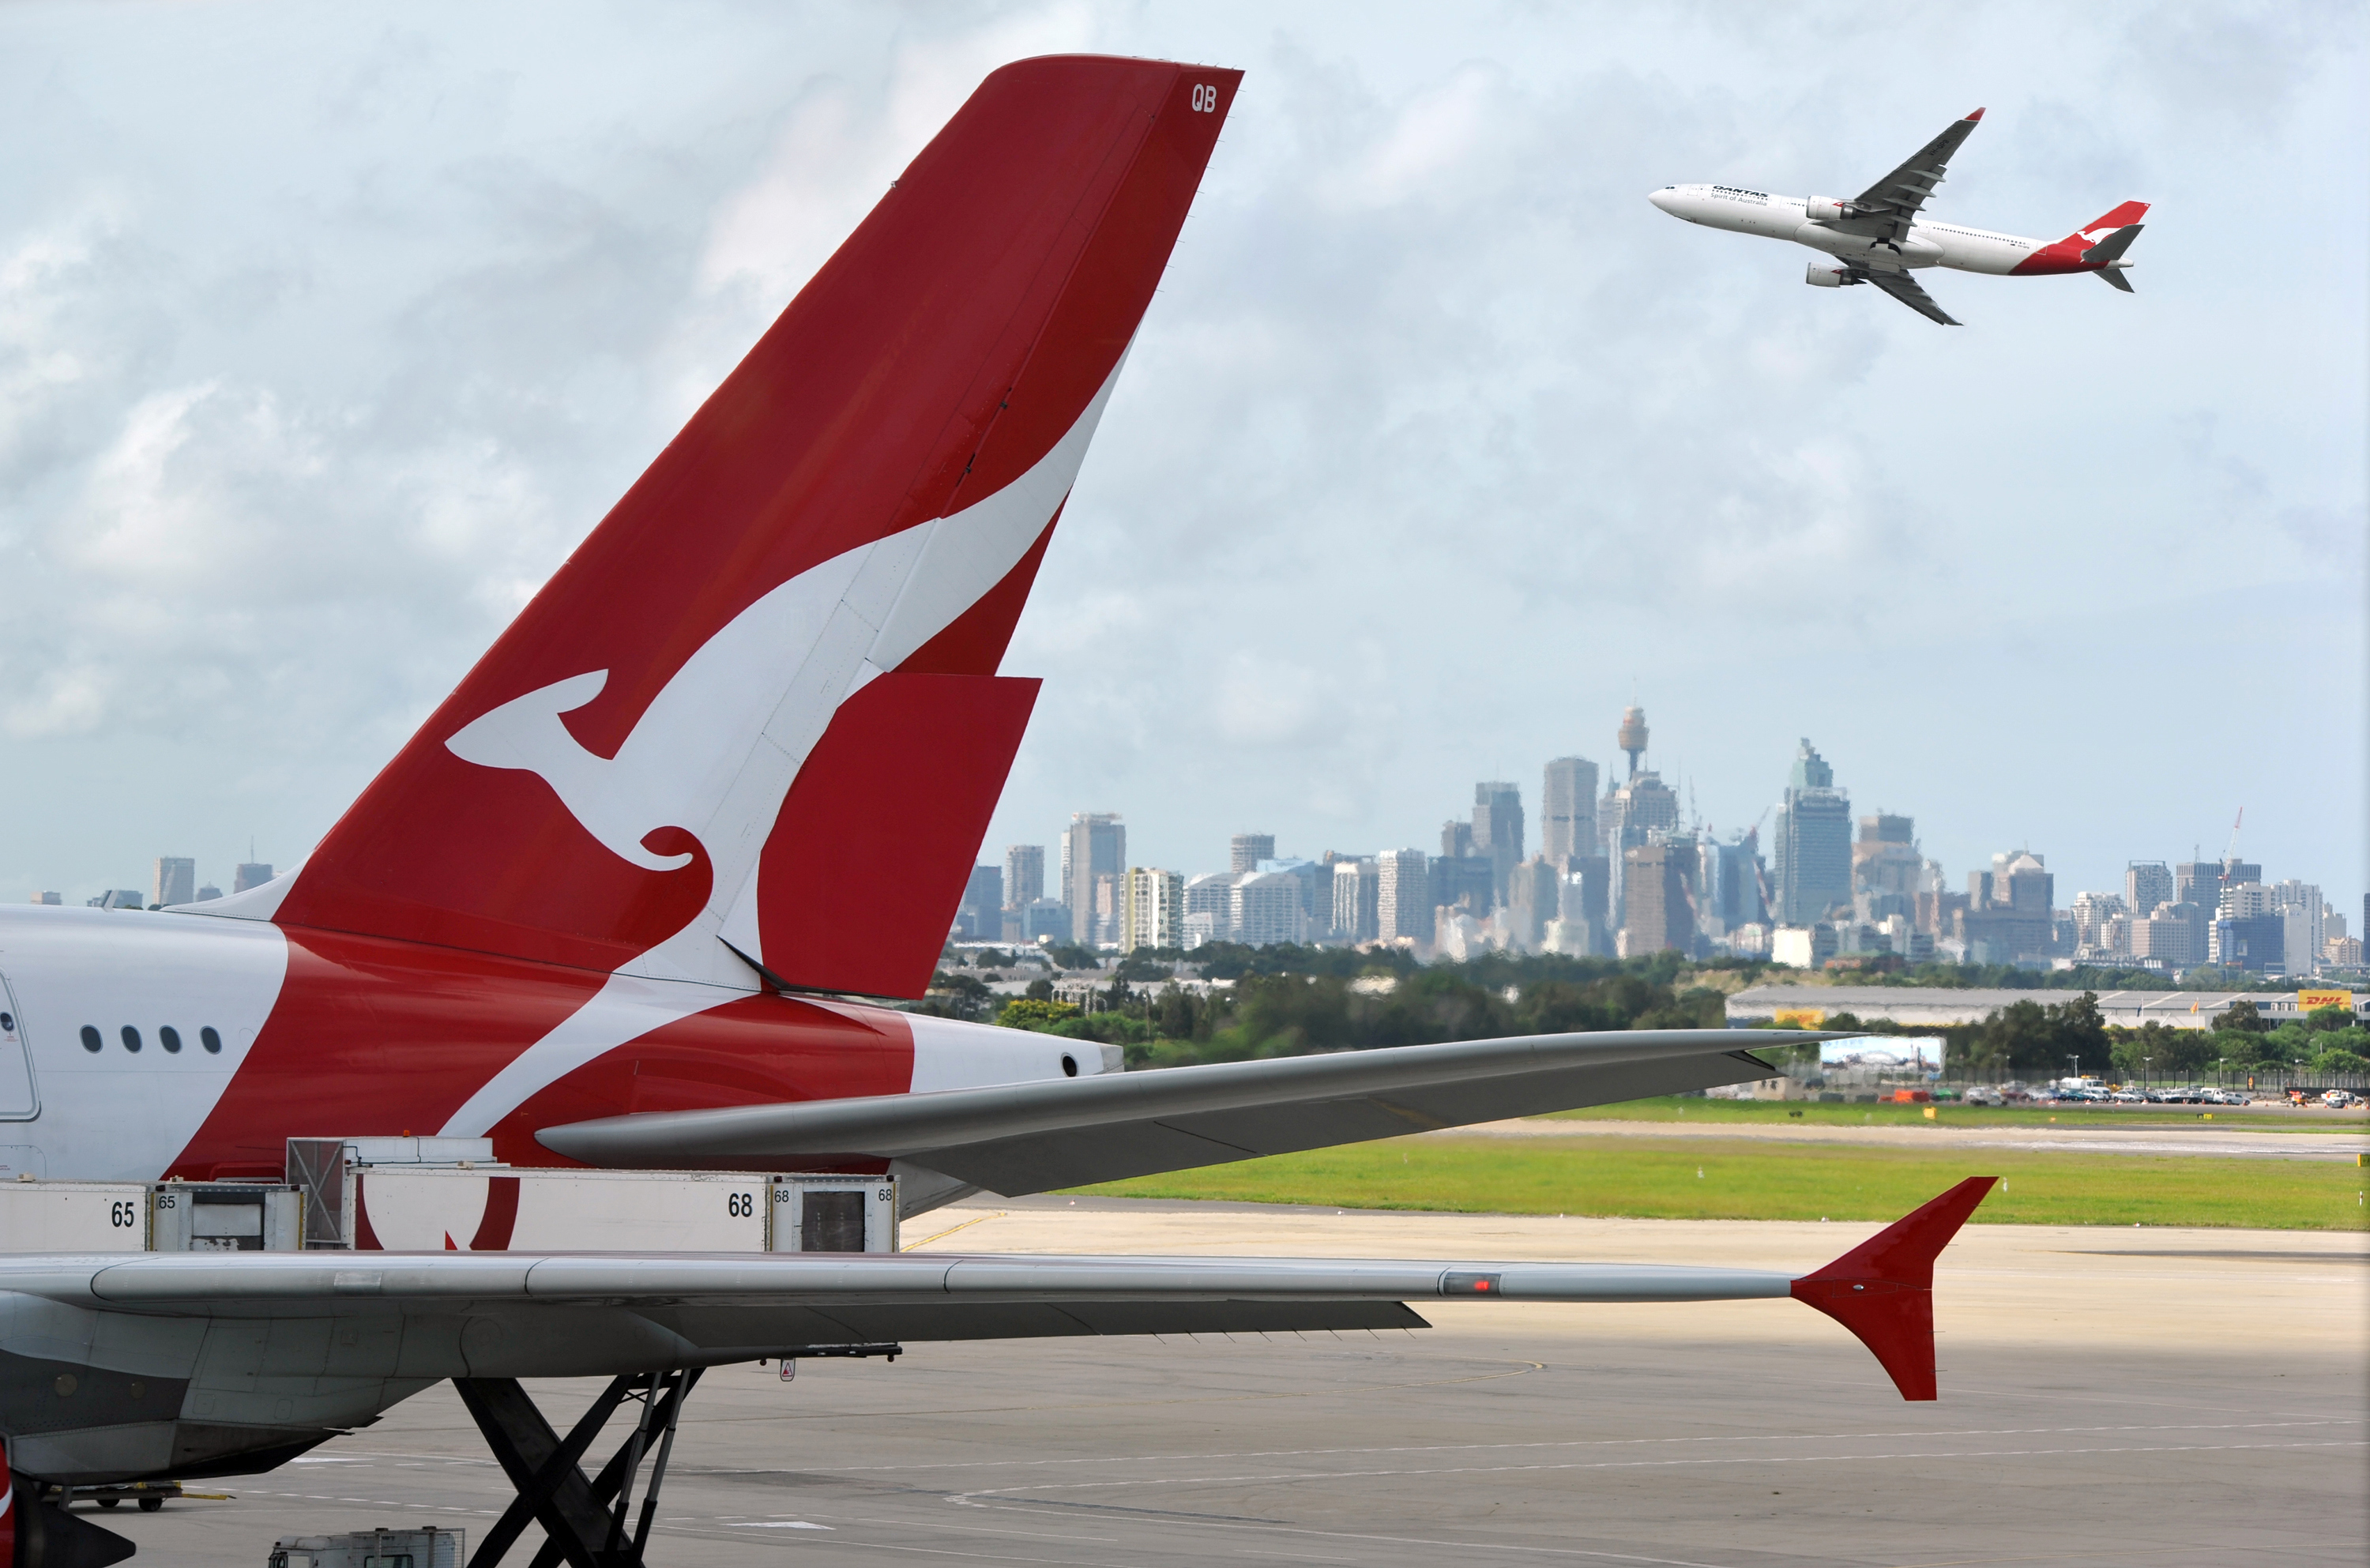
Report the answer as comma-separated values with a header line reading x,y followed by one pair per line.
x,y
2307,1001
1800,1018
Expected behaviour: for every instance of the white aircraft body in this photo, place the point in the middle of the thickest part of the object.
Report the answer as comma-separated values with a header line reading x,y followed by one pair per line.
x,y
1877,237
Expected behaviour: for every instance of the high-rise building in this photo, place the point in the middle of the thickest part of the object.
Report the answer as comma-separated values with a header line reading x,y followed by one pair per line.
x,y
116,898
2305,925
980,916
1464,882
1534,897
1024,874
1655,914
1357,899
1457,840
176,880
1212,894
49,898
208,893
254,874
1095,846
1245,850
1885,857
1728,890
1586,891
2009,909
1152,909
1567,811
1811,848
1316,883
2147,884
1269,908
1403,895
2198,883
1641,807
1498,832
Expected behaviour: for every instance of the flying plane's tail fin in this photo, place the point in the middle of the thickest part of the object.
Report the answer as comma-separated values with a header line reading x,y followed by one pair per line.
x,y
1882,1290
2123,216
2114,275
770,674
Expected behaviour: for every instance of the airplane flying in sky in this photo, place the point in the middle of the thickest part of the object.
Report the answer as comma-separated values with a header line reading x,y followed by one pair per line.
x,y
1878,237
634,893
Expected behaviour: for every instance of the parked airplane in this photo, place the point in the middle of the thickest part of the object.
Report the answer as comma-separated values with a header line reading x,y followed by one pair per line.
x,y
609,905
1877,237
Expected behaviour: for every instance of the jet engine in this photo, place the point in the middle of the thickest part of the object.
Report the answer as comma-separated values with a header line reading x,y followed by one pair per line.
x,y
1827,210
1828,275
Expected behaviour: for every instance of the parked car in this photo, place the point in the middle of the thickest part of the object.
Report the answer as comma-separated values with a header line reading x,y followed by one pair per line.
x,y
2340,1099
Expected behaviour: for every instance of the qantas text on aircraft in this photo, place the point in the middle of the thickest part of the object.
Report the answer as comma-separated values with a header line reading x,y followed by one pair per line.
x,y
607,907
1877,237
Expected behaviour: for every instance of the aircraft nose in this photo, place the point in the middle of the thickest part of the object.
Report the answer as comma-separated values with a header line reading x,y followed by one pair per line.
x,y
1664,198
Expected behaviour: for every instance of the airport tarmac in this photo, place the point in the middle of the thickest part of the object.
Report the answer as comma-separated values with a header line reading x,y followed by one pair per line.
x,y
2107,1397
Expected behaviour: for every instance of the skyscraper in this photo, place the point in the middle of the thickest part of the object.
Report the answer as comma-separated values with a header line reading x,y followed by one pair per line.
x,y
1024,874
1268,908
1534,897
1584,898
1211,896
1245,850
2146,883
980,917
1655,912
1567,811
1403,894
1095,846
1812,844
1643,806
1498,832
1152,909
1357,899
176,880
254,874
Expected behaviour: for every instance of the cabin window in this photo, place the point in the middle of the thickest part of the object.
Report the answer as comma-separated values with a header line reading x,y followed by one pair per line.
x,y
90,1040
209,1040
170,1038
130,1039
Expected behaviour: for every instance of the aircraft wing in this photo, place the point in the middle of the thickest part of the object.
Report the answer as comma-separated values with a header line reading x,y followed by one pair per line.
x,y
1028,1137
1885,208
1907,290
428,1315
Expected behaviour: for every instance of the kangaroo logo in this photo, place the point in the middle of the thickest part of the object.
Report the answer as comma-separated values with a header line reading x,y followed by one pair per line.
x,y
715,752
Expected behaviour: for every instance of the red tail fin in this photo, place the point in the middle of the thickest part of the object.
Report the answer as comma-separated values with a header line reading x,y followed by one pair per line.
x,y
1882,1290
2118,217
867,496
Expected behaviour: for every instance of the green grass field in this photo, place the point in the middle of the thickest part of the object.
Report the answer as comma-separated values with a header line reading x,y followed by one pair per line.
x,y
1658,1179
1719,1113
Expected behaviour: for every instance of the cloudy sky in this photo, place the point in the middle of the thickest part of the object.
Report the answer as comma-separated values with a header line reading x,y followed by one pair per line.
x,y
324,332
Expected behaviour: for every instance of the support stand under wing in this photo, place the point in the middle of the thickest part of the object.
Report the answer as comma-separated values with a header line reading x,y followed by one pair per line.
x,y
584,1522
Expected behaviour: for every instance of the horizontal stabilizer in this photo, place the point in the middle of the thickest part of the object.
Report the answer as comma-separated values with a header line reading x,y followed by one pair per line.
x,y
1028,1137
2115,277
2114,244
1882,1290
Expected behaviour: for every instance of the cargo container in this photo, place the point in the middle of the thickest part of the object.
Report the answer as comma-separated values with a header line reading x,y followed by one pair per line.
x,y
74,1217
427,1547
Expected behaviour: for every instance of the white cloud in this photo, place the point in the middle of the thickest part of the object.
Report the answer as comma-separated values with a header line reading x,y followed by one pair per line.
x,y
1435,438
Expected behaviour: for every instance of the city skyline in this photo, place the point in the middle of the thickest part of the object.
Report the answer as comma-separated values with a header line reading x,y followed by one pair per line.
x,y
1436,450
1835,883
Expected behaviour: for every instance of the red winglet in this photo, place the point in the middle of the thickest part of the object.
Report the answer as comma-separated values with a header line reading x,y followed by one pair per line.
x,y
1882,1290
1972,118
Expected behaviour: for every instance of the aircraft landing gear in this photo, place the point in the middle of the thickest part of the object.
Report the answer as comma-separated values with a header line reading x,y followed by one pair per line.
x,y
584,1522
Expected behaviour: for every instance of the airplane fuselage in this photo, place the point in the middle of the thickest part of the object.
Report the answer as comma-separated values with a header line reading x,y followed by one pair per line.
x,y
145,1044
1741,210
